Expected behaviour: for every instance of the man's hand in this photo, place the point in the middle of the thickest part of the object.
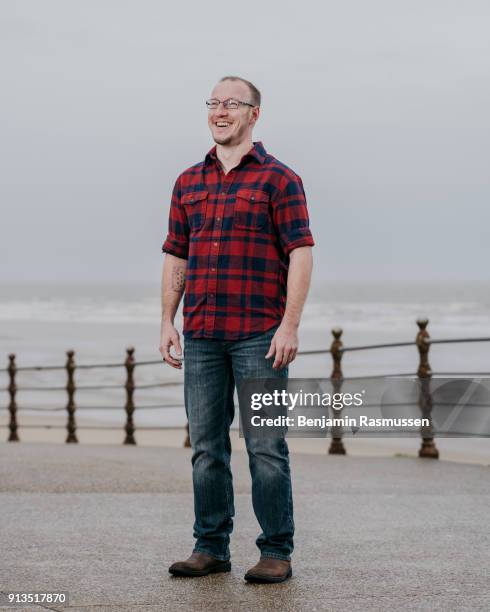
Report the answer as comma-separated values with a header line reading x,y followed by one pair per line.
x,y
170,337
284,345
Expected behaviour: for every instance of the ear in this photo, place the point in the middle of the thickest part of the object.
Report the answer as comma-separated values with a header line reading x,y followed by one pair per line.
x,y
255,115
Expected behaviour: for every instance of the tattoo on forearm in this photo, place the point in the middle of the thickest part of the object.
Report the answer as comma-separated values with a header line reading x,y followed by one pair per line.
x,y
178,279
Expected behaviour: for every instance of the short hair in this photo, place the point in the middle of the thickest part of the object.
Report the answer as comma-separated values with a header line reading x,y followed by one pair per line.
x,y
254,92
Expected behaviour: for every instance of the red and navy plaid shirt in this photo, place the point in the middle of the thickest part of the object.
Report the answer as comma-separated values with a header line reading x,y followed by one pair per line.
x,y
236,231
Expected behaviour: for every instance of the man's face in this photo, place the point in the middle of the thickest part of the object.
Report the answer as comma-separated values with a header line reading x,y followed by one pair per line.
x,y
231,127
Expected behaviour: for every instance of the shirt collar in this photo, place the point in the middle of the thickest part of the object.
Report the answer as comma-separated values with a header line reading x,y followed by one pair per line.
x,y
257,152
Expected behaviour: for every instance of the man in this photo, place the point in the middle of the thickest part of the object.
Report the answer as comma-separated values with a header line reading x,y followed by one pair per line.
x,y
238,243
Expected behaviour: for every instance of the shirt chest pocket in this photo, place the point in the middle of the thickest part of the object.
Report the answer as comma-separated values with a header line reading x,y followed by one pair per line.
x,y
195,203
251,209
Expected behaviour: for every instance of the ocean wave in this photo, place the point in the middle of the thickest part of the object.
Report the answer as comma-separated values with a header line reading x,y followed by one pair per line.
x,y
316,314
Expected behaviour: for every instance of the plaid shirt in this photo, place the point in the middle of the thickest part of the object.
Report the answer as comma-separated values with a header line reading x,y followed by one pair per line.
x,y
236,232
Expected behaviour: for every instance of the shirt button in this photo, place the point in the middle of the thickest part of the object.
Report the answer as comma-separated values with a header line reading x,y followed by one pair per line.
x,y
252,198
215,244
218,218
223,193
213,269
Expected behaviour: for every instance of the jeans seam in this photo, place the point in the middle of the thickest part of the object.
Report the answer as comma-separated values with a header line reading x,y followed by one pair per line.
x,y
275,556
225,431
219,557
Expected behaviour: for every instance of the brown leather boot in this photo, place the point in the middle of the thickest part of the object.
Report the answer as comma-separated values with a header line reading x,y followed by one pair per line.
x,y
199,564
269,569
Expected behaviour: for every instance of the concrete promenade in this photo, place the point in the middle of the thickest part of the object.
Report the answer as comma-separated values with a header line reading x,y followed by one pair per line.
x,y
105,522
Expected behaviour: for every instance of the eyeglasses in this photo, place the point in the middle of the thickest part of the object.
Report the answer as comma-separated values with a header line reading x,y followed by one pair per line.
x,y
229,104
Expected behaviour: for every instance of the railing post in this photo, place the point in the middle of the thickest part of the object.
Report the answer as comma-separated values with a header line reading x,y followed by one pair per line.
x,y
423,344
129,428
424,373
187,441
336,445
71,426
12,388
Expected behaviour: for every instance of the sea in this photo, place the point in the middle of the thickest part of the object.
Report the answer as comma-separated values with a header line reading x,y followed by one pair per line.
x,y
39,323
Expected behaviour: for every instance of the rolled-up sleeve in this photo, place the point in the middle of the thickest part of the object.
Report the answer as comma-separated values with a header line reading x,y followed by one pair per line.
x,y
290,215
177,240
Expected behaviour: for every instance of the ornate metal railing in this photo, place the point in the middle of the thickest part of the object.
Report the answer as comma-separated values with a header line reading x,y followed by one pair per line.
x,y
422,341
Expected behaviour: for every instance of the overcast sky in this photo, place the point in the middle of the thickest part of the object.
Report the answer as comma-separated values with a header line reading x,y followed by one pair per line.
x,y
382,107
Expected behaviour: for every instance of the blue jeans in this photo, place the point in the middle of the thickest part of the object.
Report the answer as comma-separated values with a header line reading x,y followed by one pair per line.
x,y
212,368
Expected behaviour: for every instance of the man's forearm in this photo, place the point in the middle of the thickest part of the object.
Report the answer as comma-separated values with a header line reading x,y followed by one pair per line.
x,y
173,285
299,277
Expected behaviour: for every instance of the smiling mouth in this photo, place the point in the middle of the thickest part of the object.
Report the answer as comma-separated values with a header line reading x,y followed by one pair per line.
x,y
222,124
